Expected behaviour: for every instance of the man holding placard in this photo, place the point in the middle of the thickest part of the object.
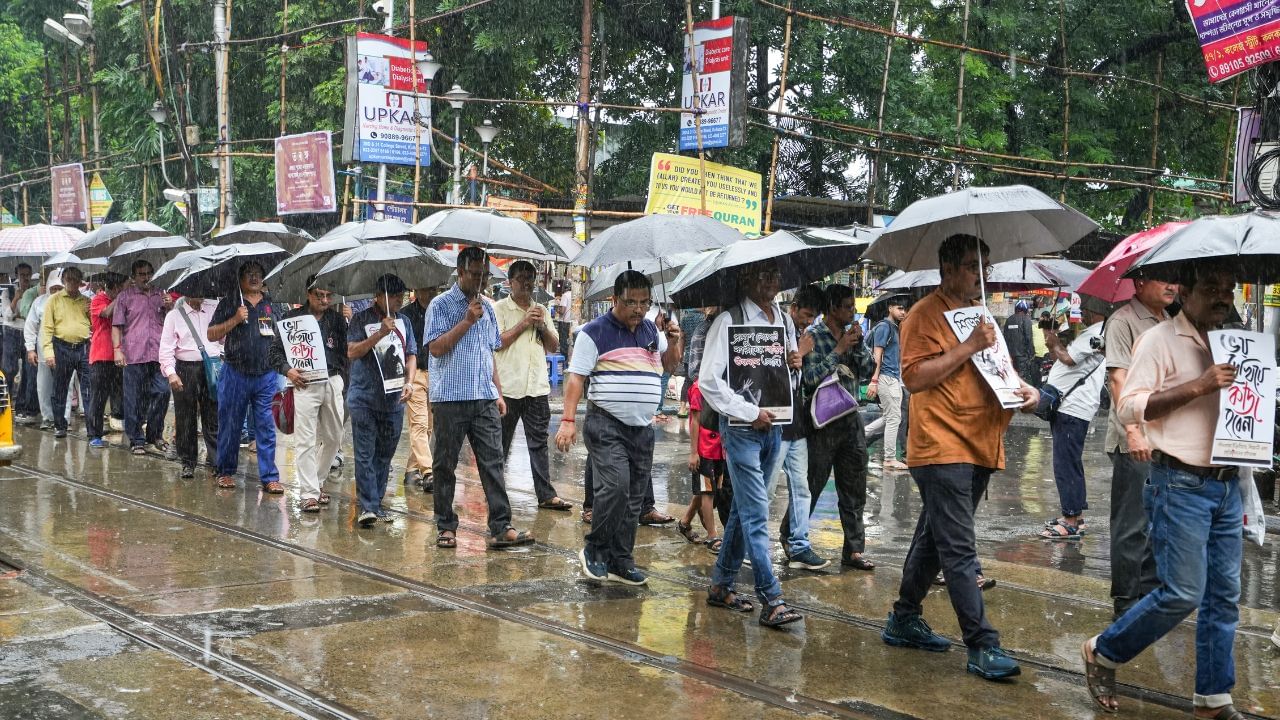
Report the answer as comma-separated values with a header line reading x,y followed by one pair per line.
x,y
311,352
1174,391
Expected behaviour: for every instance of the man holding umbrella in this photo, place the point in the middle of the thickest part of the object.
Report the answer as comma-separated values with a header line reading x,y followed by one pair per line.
x,y
137,320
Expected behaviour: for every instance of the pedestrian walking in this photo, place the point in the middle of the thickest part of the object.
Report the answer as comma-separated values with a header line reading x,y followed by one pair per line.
x,y
466,398
1018,336
527,336
64,339
107,377
13,320
1172,391
418,407
707,475
752,451
624,355
182,350
886,381
137,321
27,404
244,322
36,358
956,442
383,351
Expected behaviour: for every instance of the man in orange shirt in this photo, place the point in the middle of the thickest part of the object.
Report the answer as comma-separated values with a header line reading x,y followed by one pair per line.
x,y
955,442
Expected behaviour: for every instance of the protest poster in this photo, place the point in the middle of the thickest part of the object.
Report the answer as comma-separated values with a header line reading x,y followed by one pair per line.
x,y
994,364
758,369
1246,410
304,347
390,356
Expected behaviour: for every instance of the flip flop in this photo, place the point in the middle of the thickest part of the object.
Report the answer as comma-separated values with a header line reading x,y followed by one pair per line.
x,y
556,504
447,542
523,537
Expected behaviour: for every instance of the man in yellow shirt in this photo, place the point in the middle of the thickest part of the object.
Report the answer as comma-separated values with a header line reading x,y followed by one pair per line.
x,y
64,337
527,336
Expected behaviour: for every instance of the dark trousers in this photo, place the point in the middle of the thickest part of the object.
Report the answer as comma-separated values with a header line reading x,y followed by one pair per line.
x,y
945,538
1068,462
563,329
68,360
842,447
13,355
478,422
108,382
375,435
28,402
535,412
146,401
191,404
1133,565
649,502
621,458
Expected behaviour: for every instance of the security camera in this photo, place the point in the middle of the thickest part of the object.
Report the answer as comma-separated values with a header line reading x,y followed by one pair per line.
x,y
174,196
382,7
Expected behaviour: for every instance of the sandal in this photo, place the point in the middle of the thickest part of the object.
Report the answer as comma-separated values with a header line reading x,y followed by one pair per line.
x,y
985,583
1060,530
687,532
138,450
447,539
1100,680
556,504
775,616
729,600
273,488
653,517
1227,712
858,563
311,505
713,545
586,515
1080,526
226,482
510,538
324,499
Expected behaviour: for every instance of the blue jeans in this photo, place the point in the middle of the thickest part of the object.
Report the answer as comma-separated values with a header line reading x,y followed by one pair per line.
x,y
146,401
1196,527
795,522
752,456
375,435
236,394
1068,462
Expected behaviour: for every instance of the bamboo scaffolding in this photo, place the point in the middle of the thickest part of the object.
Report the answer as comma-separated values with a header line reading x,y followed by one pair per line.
x,y
542,210
964,58
346,197
782,99
1155,136
873,167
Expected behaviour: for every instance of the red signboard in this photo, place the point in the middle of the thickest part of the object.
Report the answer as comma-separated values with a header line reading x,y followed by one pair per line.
x,y
304,174
68,196
1236,35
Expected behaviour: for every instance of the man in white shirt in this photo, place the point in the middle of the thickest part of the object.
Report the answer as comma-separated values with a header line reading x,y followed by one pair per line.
x,y
183,336
35,353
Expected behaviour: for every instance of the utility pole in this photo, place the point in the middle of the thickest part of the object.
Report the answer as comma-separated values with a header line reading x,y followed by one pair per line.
x,y
93,86
380,213
221,62
582,178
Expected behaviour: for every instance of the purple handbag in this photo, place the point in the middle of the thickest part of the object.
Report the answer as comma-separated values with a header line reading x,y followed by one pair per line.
x,y
832,400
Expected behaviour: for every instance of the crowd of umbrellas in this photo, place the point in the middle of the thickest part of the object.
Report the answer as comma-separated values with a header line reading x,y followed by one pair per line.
x,y
692,260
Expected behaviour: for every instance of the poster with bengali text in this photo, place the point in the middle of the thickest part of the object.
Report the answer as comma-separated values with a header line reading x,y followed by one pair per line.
x,y
304,347
994,364
1244,433
758,370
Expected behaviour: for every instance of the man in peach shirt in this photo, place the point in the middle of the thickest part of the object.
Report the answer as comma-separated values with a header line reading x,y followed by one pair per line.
x,y
1194,506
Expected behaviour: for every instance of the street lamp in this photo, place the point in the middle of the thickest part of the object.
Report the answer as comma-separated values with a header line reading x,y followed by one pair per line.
x,y
487,132
160,116
428,67
457,98
55,31
158,113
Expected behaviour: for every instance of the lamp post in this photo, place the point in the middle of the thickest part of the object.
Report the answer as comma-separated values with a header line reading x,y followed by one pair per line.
x,y
457,99
487,132
427,70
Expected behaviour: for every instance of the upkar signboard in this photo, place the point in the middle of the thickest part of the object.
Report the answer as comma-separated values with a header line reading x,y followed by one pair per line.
x,y
733,194
380,116
720,56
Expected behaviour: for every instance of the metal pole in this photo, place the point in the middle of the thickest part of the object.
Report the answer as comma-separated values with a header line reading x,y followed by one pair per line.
x,y
782,106
484,183
715,9
221,33
874,170
382,167
93,86
457,157
417,128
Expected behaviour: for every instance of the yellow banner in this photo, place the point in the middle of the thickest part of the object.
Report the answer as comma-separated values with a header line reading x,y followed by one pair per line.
x,y
1271,298
733,195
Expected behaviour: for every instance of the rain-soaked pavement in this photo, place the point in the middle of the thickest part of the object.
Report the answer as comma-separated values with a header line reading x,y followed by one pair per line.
x,y
146,596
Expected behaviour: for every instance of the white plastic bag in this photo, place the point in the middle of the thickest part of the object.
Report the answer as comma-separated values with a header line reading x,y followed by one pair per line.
x,y
1255,521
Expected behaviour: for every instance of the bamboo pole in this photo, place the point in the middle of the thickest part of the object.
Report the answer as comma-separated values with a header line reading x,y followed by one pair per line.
x,y
874,166
346,196
1233,129
546,211
284,62
417,128
696,105
146,180
782,104
84,135
48,109
1066,97
964,57
1155,138
26,200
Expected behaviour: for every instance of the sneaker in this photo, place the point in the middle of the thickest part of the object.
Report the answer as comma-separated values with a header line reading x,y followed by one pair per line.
x,y
913,632
59,433
367,519
116,424
335,465
385,516
593,569
46,424
992,664
807,560
98,444
630,576
188,471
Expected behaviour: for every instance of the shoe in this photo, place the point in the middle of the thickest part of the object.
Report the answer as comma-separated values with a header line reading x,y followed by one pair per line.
x,y
23,419
367,519
160,446
98,444
59,433
807,560
385,516
188,471
116,424
992,664
913,632
46,424
630,576
244,441
413,477
428,486
335,465
593,569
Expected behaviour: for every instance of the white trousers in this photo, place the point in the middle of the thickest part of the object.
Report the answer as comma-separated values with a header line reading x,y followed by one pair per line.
x,y
317,433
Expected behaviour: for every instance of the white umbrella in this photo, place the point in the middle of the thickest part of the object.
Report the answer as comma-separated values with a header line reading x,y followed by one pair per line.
x,y
497,233
65,260
288,281
451,257
291,239
1015,222
1008,276
108,238
1249,239
368,230
356,271
656,236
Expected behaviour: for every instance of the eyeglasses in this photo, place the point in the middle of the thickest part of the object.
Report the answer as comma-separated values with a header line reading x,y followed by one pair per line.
x,y
631,304
972,267
767,275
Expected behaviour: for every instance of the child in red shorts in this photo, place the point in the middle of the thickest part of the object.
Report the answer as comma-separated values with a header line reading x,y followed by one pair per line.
x,y
707,474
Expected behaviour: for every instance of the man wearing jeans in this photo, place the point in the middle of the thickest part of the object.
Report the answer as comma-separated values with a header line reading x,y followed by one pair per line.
x,y
886,382
64,335
956,442
1192,499
137,321
751,451
466,397
624,355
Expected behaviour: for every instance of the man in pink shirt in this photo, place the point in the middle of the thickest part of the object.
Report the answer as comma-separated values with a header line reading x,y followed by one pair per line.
x,y
136,322
107,378
182,341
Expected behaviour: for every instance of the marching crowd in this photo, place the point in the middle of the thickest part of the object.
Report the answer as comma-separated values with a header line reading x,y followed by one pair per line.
x,y
474,368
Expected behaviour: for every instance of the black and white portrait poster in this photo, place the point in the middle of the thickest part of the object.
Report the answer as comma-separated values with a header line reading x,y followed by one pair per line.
x,y
389,354
994,364
758,369
1247,410
303,347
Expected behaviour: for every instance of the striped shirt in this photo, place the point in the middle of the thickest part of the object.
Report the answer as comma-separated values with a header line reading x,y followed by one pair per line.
x,y
625,367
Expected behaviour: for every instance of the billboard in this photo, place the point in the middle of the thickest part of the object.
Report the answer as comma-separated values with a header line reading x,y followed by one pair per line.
x,y
403,213
720,56
380,120
1236,35
522,209
68,195
100,200
304,174
733,195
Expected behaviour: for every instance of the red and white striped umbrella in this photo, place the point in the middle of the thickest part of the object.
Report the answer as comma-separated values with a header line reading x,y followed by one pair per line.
x,y
42,240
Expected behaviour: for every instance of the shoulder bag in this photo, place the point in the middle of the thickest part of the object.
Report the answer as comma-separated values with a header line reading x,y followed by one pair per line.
x,y
212,365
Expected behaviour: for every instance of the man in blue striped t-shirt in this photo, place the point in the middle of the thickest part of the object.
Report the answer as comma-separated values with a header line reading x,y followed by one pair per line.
x,y
624,355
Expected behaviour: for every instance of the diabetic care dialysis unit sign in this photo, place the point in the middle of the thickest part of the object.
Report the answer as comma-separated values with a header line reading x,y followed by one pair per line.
x,y
719,55
758,369
380,113
994,364
1247,409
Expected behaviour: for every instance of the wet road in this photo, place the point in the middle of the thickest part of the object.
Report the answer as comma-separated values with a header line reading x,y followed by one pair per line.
x,y
148,596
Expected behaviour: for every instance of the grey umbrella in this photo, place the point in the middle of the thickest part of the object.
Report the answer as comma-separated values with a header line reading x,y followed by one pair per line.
x,y
154,250
368,230
656,236
65,260
801,258
451,256
216,271
659,273
108,238
289,280
497,233
168,273
1250,240
356,271
1008,276
290,238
